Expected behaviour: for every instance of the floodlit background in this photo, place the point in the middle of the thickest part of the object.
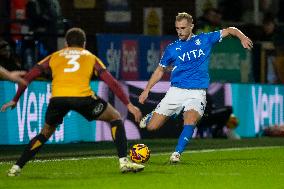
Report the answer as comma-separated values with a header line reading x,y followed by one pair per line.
x,y
130,37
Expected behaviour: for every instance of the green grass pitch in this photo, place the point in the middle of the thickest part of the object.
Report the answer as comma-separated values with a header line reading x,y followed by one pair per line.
x,y
218,166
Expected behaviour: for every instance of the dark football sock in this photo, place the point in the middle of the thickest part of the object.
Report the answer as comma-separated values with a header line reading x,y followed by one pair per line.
x,y
33,147
119,137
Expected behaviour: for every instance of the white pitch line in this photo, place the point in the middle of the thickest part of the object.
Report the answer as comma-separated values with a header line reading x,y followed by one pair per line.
x,y
155,154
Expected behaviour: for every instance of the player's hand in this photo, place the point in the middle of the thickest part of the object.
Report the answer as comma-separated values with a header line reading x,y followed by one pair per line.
x,y
135,111
10,104
17,76
143,96
247,43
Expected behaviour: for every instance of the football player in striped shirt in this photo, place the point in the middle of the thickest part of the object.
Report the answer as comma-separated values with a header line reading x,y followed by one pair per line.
x,y
72,69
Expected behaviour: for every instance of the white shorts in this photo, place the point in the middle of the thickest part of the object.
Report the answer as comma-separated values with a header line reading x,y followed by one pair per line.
x,y
178,99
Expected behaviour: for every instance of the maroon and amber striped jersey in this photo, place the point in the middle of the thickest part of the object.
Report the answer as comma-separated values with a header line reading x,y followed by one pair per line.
x,y
72,69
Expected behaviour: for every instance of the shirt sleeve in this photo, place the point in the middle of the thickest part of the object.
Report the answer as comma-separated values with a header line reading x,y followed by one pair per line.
x,y
113,84
35,72
167,57
99,66
214,37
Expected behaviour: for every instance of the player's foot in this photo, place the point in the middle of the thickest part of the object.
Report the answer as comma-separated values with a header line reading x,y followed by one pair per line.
x,y
14,171
128,166
175,157
145,120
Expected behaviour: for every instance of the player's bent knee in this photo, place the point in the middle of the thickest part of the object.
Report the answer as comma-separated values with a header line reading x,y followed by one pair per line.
x,y
110,114
117,115
150,128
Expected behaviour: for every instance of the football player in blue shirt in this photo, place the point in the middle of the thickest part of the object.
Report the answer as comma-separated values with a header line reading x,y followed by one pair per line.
x,y
189,58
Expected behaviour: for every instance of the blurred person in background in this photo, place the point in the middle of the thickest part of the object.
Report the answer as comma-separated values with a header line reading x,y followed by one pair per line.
x,y
72,69
265,34
15,76
189,57
215,120
232,10
273,33
279,59
269,28
8,65
44,18
209,21
8,59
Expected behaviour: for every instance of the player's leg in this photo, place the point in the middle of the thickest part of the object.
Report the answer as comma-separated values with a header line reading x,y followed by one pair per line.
x,y
169,106
118,134
193,111
190,119
54,116
96,108
154,121
112,116
31,149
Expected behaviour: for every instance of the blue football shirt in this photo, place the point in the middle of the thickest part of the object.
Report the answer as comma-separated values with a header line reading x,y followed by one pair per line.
x,y
190,60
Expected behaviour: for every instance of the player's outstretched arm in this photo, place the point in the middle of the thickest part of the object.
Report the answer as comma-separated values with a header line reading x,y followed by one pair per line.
x,y
15,76
118,91
135,111
246,42
29,77
156,76
7,105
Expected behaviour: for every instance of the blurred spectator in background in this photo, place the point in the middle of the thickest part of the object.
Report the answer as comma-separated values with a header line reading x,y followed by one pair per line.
x,y
271,32
8,59
215,121
269,27
8,63
44,19
231,10
280,14
279,59
268,34
15,76
209,21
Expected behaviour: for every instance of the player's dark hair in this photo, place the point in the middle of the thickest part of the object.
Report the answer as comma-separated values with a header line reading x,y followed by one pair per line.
x,y
75,37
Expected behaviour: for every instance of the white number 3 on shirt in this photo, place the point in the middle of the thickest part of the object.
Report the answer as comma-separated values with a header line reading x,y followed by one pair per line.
x,y
73,62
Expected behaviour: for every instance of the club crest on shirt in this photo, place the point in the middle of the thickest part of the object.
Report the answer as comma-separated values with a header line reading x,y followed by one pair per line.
x,y
197,42
178,48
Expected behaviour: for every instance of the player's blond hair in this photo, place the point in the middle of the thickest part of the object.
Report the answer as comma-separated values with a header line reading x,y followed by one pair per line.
x,y
184,15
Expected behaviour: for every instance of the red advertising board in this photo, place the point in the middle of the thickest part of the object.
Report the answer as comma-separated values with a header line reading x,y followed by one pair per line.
x,y
18,12
130,65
